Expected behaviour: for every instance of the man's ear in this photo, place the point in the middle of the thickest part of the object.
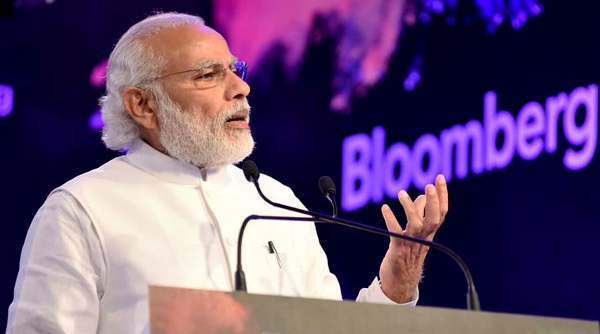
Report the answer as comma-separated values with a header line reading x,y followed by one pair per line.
x,y
141,106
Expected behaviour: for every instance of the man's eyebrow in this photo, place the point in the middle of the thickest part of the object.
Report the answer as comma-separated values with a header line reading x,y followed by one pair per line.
x,y
208,63
204,64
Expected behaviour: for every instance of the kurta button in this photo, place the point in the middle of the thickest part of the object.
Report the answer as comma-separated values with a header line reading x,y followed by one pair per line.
x,y
231,240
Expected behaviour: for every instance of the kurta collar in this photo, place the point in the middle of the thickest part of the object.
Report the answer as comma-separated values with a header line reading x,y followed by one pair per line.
x,y
146,158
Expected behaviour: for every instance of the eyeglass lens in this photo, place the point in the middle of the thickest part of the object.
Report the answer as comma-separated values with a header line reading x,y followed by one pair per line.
x,y
240,68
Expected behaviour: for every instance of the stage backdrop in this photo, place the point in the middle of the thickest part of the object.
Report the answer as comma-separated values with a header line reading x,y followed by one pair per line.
x,y
500,96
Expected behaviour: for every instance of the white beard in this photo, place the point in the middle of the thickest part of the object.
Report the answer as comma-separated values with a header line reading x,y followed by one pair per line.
x,y
195,138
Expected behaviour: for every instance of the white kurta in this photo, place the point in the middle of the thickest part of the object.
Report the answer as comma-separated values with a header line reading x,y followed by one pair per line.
x,y
147,219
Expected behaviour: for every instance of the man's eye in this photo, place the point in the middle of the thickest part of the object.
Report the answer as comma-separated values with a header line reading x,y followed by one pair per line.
x,y
206,76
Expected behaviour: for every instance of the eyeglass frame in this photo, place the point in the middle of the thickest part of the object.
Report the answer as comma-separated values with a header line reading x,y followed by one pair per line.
x,y
237,66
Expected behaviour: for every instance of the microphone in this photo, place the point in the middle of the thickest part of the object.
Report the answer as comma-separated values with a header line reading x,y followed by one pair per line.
x,y
328,190
252,174
250,171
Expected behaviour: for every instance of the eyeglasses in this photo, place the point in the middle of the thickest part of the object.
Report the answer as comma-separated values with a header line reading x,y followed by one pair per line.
x,y
212,74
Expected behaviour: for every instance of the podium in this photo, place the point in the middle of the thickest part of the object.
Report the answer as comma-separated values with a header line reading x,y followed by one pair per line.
x,y
186,311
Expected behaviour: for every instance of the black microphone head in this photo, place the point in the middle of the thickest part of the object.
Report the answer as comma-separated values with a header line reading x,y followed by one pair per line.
x,y
250,171
327,186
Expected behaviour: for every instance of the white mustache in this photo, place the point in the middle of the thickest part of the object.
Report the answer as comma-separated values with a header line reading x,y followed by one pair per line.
x,y
238,107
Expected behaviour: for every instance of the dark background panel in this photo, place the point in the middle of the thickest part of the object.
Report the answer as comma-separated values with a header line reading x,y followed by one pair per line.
x,y
528,231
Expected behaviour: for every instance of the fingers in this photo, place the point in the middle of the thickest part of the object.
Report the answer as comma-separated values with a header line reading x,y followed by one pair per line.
x,y
420,205
415,222
432,207
442,190
390,219
425,214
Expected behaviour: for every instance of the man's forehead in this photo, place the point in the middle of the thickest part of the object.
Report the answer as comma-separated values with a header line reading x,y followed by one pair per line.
x,y
200,28
190,43
185,33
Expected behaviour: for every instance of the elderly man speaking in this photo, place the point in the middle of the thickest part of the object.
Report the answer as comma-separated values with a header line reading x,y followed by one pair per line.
x,y
168,212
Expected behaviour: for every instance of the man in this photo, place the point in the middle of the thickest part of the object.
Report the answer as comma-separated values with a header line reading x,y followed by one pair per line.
x,y
169,211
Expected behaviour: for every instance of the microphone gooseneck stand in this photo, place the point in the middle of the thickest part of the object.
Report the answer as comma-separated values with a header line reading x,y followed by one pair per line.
x,y
240,276
251,172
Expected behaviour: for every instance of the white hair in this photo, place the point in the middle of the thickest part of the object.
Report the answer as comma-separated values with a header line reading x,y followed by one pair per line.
x,y
130,64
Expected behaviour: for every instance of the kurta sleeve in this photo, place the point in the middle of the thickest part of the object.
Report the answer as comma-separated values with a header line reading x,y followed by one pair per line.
x,y
61,272
374,294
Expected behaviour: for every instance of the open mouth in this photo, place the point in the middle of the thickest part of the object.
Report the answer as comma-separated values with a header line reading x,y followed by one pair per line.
x,y
242,117
234,119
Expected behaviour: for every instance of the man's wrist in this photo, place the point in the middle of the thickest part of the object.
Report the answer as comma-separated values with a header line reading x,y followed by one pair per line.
x,y
375,294
401,294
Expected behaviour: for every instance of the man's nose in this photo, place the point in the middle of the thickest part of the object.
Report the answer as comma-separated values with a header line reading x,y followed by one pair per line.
x,y
236,88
